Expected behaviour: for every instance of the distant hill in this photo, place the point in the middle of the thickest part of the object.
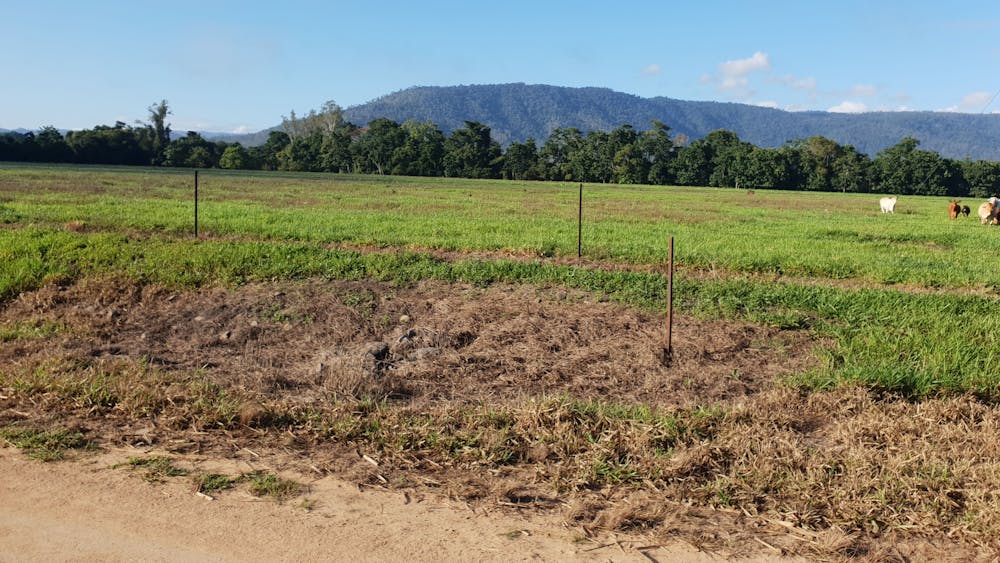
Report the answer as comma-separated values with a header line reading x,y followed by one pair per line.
x,y
515,112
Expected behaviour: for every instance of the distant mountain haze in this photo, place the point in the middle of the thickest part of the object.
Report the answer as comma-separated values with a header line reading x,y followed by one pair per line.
x,y
516,112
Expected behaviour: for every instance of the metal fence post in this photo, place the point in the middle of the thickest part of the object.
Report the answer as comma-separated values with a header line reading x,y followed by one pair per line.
x,y
195,204
579,226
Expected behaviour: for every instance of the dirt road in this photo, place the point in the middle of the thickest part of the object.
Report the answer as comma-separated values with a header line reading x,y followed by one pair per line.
x,y
86,510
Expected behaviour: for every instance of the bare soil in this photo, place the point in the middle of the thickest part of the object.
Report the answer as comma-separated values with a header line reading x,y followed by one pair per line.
x,y
420,347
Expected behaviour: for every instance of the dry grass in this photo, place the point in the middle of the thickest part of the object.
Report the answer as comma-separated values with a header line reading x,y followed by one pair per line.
x,y
497,416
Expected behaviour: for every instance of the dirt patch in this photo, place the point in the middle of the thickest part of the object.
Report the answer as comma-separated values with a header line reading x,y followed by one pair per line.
x,y
516,399
430,342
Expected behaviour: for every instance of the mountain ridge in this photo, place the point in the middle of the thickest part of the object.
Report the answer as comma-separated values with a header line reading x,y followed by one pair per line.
x,y
518,111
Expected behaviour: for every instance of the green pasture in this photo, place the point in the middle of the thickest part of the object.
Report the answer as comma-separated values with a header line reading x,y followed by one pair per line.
x,y
796,234
919,323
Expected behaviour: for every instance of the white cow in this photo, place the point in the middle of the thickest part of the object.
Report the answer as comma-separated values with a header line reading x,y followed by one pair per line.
x,y
888,204
988,212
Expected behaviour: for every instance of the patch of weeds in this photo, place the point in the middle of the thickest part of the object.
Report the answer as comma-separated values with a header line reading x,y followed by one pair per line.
x,y
547,250
264,484
30,330
44,445
157,468
364,301
212,482
613,472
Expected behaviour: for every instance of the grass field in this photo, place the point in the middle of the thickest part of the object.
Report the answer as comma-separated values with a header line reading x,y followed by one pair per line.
x,y
904,297
881,423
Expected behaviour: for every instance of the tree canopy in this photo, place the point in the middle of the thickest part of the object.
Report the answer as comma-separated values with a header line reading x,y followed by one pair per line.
x,y
322,141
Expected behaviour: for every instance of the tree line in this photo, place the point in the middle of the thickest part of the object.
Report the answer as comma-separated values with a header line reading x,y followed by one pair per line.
x,y
322,141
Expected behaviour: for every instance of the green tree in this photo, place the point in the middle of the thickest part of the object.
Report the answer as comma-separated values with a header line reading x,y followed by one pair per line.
x,y
659,152
235,157
852,171
422,151
471,152
693,165
108,145
160,130
982,177
520,161
729,159
335,151
554,156
51,146
266,156
308,148
621,161
375,147
192,151
819,158
770,169
302,154
904,169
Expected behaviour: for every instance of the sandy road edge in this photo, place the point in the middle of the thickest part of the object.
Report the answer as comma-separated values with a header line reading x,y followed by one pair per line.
x,y
85,510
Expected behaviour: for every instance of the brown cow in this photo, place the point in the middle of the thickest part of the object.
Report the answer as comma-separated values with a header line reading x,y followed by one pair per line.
x,y
954,209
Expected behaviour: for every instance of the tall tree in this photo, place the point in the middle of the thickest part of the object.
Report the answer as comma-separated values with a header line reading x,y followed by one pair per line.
x,y
520,161
235,157
982,177
51,146
471,152
555,154
422,151
192,151
377,144
658,150
160,130
904,169
853,171
819,156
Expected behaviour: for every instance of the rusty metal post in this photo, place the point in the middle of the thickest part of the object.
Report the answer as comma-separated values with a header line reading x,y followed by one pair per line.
x,y
668,351
195,204
579,226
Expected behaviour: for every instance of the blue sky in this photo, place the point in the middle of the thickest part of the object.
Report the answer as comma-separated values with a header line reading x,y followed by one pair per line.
x,y
241,66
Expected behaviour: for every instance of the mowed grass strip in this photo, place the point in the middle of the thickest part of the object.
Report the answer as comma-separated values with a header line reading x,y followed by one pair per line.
x,y
917,345
791,234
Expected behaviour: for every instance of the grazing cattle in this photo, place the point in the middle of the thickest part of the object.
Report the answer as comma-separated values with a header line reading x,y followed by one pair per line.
x,y
954,208
888,204
966,211
988,212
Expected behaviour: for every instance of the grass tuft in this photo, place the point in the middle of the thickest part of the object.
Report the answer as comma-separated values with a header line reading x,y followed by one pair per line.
x,y
156,468
44,445
264,484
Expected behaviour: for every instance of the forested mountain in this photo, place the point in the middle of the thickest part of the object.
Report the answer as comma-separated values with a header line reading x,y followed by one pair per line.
x,y
324,141
515,112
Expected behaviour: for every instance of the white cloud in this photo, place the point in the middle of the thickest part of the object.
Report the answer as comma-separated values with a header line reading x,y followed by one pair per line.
x,y
733,82
734,73
975,102
863,90
804,84
772,105
653,70
792,81
849,107
901,97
